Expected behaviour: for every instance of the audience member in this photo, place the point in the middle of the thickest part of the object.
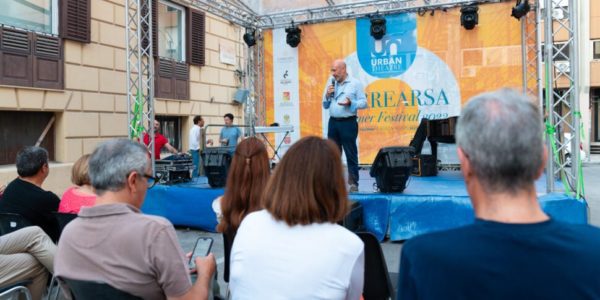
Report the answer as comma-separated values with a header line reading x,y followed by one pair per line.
x,y
82,194
246,181
230,134
294,248
160,141
25,195
513,250
27,254
114,243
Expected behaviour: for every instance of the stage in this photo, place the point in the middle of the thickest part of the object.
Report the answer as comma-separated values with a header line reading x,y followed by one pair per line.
x,y
427,204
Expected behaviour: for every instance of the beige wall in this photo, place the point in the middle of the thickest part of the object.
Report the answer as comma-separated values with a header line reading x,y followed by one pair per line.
x,y
594,19
93,106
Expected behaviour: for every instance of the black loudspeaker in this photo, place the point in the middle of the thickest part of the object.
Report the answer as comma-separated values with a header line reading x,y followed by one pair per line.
x,y
392,167
424,165
216,164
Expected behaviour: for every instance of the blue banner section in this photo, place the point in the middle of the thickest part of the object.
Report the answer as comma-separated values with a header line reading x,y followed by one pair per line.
x,y
183,205
394,53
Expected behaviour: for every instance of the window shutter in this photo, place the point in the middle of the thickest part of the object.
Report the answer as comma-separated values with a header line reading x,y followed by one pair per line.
x,y
196,33
171,79
48,62
155,28
75,20
16,57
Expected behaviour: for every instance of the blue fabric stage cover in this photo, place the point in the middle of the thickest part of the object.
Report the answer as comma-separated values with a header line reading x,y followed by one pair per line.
x,y
183,205
428,204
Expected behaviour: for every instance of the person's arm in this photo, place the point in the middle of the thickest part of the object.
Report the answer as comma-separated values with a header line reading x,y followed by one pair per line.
x,y
360,100
205,268
357,278
171,148
328,95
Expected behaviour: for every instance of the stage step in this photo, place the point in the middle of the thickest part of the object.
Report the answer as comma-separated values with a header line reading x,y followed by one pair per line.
x,y
595,148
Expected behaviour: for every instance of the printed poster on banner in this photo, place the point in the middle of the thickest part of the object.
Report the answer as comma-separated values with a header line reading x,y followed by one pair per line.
x,y
426,66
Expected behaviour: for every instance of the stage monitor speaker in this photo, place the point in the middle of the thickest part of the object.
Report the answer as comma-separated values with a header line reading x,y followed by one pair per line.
x,y
392,168
241,95
216,164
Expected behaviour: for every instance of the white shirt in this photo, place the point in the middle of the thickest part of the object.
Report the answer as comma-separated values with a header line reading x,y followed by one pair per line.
x,y
194,137
271,260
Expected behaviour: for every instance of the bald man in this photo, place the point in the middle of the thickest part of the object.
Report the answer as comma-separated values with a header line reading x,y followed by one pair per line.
x,y
343,97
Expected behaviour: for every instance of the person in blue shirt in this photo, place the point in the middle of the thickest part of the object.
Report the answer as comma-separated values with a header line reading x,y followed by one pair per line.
x,y
513,250
230,134
343,96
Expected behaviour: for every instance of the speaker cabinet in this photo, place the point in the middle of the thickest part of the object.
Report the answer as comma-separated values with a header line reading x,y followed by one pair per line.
x,y
216,164
392,167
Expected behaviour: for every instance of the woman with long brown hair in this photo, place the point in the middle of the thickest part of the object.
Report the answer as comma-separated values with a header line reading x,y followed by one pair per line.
x,y
246,181
294,248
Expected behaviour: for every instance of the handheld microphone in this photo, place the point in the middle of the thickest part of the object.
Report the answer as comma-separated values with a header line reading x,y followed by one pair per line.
x,y
332,83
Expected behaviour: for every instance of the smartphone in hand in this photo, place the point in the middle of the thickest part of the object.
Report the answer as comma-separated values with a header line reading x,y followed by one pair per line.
x,y
202,248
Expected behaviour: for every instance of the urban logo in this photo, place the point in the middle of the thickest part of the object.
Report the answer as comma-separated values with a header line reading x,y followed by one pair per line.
x,y
394,53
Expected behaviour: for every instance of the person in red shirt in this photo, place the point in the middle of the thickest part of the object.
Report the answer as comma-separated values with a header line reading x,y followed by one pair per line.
x,y
159,141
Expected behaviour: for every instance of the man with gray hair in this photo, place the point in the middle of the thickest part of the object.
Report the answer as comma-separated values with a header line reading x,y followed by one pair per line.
x,y
25,195
114,243
513,250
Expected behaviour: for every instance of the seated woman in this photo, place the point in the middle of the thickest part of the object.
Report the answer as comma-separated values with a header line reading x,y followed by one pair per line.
x,y
246,181
82,194
293,249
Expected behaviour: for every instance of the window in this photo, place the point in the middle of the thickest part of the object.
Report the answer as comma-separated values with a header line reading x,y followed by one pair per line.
x,y
170,127
561,52
19,129
171,31
596,53
178,40
34,15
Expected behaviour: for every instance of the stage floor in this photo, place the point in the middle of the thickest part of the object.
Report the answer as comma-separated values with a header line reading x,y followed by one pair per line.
x,y
427,204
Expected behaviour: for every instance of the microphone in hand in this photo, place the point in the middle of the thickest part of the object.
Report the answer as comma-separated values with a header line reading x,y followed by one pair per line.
x,y
331,89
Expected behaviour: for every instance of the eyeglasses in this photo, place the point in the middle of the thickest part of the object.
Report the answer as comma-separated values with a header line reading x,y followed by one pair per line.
x,y
152,181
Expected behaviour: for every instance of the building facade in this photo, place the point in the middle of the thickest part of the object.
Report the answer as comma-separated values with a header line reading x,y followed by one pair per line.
x,y
63,76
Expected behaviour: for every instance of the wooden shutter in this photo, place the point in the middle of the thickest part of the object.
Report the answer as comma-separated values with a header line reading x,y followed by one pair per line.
x,y
48,63
16,59
75,20
155,28
172,79
196,41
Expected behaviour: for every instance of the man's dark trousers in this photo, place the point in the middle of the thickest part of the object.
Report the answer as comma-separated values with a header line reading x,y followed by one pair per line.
x,y
344,131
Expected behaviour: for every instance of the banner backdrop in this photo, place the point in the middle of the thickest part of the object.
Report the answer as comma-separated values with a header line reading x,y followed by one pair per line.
x,y
426,66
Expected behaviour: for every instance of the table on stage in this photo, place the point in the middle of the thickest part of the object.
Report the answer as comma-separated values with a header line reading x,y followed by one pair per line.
x,y
262,130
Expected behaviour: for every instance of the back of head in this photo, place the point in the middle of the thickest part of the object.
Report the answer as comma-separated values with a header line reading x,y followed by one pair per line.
x,y
246,181
308,184
80,171
501,134
112,161
30,160
197,119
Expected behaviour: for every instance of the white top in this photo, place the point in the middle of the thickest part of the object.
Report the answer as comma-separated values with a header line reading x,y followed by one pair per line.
x,y
271,260
194,137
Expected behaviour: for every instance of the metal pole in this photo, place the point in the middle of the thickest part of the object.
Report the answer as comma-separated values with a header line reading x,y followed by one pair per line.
x,y
574,63
548,92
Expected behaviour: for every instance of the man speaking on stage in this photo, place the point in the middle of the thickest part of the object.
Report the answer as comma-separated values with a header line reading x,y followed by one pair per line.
x,y
343,96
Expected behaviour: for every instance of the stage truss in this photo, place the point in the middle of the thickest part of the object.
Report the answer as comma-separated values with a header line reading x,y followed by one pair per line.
x,y
561,108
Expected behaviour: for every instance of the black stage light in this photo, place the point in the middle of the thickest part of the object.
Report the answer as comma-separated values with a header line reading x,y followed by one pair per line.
x,y
392,168
377,27
216,164
293,36
250,37
469,17
521,9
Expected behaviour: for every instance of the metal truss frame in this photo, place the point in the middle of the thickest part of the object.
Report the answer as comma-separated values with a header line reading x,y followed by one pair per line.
x,y
562,107
140,71
140,66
